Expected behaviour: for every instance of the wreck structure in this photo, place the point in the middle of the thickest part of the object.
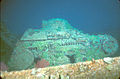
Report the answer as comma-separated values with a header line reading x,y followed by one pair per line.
x,y
59,43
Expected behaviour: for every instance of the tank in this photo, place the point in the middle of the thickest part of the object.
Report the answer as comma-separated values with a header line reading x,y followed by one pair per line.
x,y
58,43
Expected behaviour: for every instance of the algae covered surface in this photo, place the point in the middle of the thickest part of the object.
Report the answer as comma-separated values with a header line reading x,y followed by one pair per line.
x,y
95,69
59,43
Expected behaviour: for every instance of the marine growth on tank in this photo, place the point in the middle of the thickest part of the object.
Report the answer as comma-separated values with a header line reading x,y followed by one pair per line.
x,y
58,43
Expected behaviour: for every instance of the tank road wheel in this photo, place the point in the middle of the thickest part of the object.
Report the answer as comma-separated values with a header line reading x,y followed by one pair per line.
x,y
21,59
110,45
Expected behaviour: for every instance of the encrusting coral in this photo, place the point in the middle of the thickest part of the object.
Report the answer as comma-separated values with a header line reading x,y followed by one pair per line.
x,y
60,43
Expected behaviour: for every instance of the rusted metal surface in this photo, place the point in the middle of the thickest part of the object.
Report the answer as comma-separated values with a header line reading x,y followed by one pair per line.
x,y
94,69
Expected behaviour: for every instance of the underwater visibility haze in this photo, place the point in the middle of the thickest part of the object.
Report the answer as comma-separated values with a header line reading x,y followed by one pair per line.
x,y
58,43
44,33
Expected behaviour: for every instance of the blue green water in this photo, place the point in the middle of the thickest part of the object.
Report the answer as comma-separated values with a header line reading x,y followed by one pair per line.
x,y
90,16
